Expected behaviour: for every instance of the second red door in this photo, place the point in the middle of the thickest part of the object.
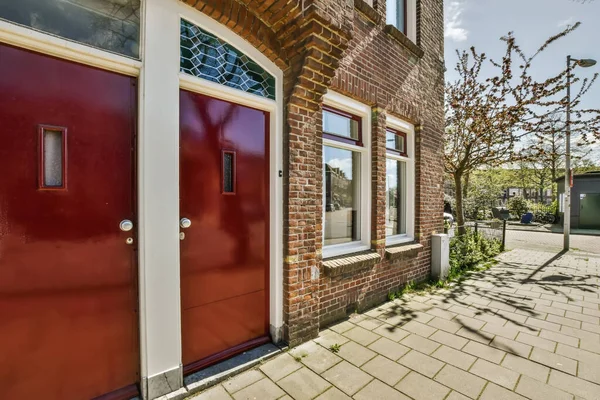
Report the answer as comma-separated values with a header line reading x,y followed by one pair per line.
x,y
224,185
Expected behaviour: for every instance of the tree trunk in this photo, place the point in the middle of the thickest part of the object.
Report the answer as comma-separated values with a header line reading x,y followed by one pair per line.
x,y
465,188
460,212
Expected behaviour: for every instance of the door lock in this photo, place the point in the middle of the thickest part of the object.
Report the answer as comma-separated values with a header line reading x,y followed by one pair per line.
x,y
185,223
126,225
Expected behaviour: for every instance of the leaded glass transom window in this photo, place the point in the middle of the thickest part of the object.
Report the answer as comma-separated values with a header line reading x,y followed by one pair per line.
x,y
206,56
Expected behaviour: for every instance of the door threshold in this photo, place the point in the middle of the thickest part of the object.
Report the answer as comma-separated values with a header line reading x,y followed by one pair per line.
x,y
223,370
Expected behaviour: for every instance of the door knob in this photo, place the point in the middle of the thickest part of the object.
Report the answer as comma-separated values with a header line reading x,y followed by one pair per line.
x,y
185,223
126,225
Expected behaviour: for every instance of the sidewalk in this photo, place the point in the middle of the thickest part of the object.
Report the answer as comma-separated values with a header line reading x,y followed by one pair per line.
x,y
527,328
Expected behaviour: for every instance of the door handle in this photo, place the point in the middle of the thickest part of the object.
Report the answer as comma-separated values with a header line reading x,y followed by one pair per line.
x,y
185,223
126,225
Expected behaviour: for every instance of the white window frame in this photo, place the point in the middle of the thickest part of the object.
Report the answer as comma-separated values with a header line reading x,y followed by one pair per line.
x,y
343,103
411,18
409,129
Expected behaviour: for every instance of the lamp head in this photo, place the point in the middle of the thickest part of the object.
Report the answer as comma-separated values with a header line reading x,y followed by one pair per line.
x,y
585,63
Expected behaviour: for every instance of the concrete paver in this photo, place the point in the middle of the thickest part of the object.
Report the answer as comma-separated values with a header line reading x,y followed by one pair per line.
x,y
527,328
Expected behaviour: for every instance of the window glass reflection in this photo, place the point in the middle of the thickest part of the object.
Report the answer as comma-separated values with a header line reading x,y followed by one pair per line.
x,y
339,125
395,195
342,195
112,25
394,141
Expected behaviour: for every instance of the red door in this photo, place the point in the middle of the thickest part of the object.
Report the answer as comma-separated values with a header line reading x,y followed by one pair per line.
x,y
68,318
224,255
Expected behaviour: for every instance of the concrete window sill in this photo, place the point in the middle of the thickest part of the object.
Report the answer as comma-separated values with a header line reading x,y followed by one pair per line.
x,y
367,11
350,263
403,251
404,40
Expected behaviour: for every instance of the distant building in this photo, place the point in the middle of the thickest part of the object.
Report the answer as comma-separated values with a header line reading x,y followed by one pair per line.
x,y
585,200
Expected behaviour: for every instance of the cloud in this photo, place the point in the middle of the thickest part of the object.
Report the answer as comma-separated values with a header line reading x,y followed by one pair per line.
x,y
453,22
565,22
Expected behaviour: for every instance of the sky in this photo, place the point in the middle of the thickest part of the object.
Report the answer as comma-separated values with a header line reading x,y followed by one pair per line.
x,y
481,23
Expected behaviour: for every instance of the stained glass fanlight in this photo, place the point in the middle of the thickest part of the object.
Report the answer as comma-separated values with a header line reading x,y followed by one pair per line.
x,y
208,57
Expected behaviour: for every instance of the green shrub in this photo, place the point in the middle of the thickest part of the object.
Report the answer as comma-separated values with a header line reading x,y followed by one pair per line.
x,y
518,206
469,250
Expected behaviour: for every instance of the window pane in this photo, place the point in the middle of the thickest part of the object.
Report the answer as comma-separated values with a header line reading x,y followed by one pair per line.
x,y
208,57
395,198
112,25
342,195
339,125
395,14
394,141
53,158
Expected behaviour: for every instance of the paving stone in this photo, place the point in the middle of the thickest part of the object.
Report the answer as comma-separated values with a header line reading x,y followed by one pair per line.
x,y
478,336
342,327
264,389
438,312
391,332
214,393
421,344
469,322
303,384
590,345
389,348
590,327
355,353
348,378
454,357
421,388
419,328
280,366
578,354
576,386
564,321
456,396
526,367
449,339
495,373
328,338
581,334
583,318
421,363
444,324
242,380
543,324
536,390
467,312
504,331
553,360
589,372
491,318
333,393
536,341
461,381
361,336
510,346
377,390
567,307
483,351
385,370
495,392
550,310
559,337
315,356
369,323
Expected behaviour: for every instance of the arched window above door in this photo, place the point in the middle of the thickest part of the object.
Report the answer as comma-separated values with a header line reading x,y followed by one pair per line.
x,y
206,56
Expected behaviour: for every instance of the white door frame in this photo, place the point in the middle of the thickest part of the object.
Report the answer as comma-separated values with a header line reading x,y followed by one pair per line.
x,y
159,82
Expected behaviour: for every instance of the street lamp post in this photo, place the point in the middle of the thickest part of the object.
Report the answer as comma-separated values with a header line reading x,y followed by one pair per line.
x,y
567,201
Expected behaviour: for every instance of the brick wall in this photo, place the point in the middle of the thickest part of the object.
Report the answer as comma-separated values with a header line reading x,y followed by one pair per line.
x,y
321,44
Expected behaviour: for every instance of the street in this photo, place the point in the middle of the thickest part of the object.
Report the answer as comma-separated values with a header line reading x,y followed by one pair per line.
x,y
550,241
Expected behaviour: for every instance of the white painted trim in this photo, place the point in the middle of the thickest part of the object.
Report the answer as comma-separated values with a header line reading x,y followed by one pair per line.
x,y
411,14
344,103
409,129
30,39
276,110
